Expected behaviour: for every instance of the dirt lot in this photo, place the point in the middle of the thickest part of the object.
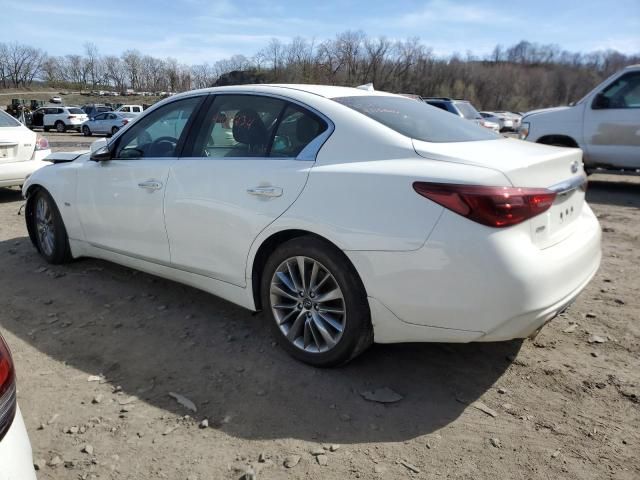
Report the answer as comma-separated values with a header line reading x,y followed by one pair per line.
x,y
562,406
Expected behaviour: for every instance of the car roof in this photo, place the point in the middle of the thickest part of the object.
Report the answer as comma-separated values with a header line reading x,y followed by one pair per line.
x,y
326,91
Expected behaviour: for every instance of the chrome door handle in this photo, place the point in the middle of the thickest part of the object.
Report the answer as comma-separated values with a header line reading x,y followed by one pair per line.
x,y
151,185
265,191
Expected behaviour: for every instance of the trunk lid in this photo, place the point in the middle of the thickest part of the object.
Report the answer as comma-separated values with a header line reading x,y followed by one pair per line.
x,y
529,165
16,144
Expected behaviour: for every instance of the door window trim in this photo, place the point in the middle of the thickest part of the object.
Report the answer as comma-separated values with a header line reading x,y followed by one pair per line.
x,y
307,154
186,133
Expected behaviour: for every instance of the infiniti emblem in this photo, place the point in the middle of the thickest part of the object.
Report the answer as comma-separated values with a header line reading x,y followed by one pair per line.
x,y
574,166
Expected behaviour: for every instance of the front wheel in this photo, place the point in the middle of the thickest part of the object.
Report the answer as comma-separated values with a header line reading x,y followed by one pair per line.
x,y
86,132
316,303
50,235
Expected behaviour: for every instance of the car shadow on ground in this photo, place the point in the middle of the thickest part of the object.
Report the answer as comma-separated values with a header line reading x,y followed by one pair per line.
x,y
618,190
152,336
10,194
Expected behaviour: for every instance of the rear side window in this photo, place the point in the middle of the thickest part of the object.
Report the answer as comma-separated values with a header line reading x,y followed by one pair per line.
x,y
297,128
7,120
416,119
76,111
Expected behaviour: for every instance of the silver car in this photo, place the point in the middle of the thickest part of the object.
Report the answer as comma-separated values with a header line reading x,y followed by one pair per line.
x,y
107,123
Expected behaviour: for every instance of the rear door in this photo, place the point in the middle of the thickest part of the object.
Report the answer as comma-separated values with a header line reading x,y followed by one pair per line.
x,y
249,162
97,124
612,124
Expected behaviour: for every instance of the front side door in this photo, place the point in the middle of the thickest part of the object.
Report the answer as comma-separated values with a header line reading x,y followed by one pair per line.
x,y
120,200
96,124
248,162
612,124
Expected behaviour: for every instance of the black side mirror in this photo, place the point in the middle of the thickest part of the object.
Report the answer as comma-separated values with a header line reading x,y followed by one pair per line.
x,y
600,102
101,155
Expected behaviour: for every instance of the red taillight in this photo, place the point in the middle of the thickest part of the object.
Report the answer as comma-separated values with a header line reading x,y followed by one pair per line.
x,y
42,143
7,389
125,121
491,206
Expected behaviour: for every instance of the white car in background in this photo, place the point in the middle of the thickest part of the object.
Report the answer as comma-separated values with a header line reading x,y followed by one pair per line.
x,y
605,124
106,123
130,109
347,216
15,449
22,151
60,118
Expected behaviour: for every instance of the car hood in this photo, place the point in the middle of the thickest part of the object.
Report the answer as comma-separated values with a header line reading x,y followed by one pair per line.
x,y
525,164
545,110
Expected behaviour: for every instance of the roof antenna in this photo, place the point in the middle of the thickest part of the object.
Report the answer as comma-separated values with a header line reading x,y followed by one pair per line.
x,y
367,86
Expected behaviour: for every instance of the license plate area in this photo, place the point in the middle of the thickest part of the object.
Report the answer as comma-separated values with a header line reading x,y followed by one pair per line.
x,y
557,223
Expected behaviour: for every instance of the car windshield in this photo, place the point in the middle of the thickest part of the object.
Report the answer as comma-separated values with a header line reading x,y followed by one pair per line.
x,y
467,110
76,111
416,119
7,120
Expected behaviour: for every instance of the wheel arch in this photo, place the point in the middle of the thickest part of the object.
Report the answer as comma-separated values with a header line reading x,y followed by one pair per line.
x,y
555,139
269,244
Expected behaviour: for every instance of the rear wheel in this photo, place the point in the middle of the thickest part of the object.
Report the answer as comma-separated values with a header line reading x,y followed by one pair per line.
x,y
50,235
316,303
60,127
114,130
85,131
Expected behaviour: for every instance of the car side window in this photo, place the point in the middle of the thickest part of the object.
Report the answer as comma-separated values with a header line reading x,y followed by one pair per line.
x,y
99,117
237,126
157,134
297,128
623,92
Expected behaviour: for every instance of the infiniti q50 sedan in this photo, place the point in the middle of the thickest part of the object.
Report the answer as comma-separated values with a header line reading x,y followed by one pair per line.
x,y
347,216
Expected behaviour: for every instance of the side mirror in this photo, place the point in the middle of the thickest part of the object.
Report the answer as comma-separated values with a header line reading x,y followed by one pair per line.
x,y
600,102
100,151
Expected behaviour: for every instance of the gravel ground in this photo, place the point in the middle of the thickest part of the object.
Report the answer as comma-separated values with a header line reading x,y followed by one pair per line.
x,y
100,347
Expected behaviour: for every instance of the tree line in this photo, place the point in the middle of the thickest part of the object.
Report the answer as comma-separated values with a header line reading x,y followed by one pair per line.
x,y
520,77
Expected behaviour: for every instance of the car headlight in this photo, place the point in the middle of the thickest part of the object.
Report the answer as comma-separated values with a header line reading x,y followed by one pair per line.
x,y
523,131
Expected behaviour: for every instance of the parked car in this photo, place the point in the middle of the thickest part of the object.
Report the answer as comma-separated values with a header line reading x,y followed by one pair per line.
x,y
15,449
604,124
106,123
512,119
462,108
21,151
130,109
55,99
61,118
94,109
492,117
347,216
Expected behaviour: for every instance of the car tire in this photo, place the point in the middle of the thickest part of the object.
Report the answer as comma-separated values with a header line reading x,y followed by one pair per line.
x,y
50,235
60,127
114,130
46,129
307,323
86,131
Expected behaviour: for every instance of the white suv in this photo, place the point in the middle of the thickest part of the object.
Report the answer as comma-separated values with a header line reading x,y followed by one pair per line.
x,y
60,117
605,124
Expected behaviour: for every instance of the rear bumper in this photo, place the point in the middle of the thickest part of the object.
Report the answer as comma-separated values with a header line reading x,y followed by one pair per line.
x,y
473,283
15,173
16,462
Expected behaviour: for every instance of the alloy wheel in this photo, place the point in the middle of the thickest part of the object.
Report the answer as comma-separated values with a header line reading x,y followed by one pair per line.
x,y
308,304
44,226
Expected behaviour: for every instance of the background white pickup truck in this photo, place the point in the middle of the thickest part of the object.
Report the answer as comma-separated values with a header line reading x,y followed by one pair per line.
x,y
605,124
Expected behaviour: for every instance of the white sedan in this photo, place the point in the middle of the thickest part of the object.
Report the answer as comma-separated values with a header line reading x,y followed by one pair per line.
x,y
347,216
21,151
15,448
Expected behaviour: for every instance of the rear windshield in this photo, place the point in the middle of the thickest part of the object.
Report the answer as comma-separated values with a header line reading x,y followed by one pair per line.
x,y
76,111
7,120
467,110
416,119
